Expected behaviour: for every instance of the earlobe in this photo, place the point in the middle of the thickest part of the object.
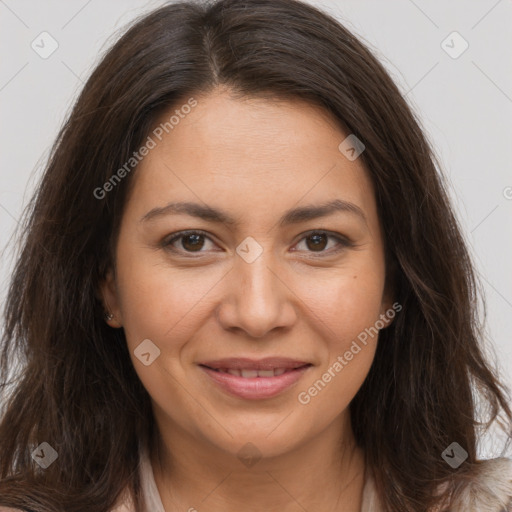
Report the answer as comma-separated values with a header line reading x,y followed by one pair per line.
x,y
110,301
388,311
386,316
388,307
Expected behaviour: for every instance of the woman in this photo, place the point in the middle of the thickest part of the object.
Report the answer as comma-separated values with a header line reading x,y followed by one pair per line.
x,y
242,285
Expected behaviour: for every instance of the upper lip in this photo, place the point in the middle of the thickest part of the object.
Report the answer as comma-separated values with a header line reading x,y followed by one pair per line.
x,y
243,363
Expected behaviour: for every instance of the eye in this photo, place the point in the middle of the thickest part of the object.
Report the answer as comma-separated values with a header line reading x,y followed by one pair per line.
x,y
317,241
191,241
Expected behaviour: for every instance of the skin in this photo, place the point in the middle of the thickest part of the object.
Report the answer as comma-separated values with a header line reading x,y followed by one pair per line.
x,y
255,159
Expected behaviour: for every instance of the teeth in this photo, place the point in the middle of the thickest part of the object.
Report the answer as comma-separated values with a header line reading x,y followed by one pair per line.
x,y
251,374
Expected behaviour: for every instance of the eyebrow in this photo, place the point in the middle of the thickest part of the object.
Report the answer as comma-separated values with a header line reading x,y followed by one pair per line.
x,y
294,216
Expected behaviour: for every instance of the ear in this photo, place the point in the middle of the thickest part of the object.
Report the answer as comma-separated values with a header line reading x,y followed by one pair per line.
x,y
110,299
389,308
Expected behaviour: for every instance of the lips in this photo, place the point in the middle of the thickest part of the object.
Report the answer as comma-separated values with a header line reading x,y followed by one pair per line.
x,y
268,363
255,379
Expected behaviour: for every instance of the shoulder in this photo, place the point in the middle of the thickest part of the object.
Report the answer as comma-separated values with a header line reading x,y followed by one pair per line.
x,y
488,489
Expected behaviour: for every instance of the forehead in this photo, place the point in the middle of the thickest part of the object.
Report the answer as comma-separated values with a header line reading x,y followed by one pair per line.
x,y
264,131
250,153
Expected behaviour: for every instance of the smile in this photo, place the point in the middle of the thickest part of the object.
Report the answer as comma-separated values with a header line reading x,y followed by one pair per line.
x,y
250,374
255,380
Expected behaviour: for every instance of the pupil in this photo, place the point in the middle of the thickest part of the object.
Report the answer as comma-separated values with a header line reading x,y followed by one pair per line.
x,y
196,241
316,245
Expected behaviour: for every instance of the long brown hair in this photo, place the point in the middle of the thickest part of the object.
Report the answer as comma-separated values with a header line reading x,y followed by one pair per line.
x,y
76,387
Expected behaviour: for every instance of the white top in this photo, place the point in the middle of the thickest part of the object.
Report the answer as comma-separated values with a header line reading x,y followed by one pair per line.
x,y
152,496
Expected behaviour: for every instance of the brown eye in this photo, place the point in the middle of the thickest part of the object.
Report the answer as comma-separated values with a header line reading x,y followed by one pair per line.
x,y
187,242
192,242
318,241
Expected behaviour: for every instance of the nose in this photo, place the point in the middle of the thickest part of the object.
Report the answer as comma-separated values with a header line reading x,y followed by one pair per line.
x,y
258,299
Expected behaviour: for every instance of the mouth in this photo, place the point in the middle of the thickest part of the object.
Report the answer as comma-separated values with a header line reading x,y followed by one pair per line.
x,y
255,379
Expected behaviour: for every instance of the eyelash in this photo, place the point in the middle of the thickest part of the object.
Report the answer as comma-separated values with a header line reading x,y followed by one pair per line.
x,y
342,241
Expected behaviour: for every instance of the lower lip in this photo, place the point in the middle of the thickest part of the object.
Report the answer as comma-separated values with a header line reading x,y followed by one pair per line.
x,y
256,388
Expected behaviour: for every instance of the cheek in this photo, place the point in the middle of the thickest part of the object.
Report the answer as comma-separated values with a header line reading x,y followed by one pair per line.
x,y
346,308
163,305
345,302
159,302
347,312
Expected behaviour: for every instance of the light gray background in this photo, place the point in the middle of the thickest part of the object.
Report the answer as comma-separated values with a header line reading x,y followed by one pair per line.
x,y
465,106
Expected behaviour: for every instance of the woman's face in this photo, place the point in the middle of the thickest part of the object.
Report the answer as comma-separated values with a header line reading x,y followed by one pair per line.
x,y
254,288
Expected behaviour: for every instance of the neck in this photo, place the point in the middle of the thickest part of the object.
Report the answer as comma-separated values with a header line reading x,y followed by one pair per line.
x,y
326,473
